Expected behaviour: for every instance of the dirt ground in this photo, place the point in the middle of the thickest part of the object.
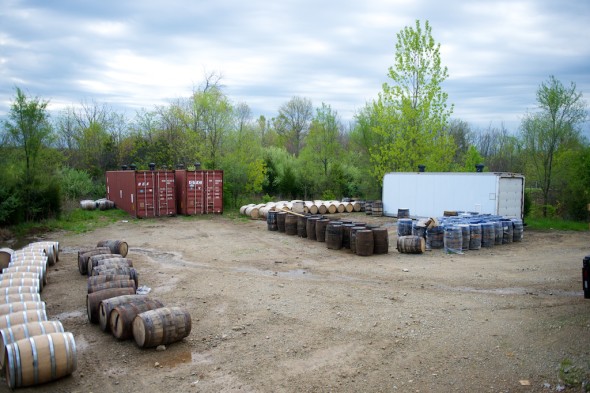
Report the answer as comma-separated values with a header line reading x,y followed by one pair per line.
x,y
278,313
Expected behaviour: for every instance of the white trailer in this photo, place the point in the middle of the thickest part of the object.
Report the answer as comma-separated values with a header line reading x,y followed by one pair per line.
x,y
430,194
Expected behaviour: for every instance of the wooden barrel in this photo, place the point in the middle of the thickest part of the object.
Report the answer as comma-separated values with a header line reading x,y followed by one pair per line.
x,y
320,229
122,316
26,330
353,232
356,206
465,236
93,300
107,305
365,243
109,270
84,255
404,227
312,208
105,278
403,213
112,284
411,244
20,282
40,264
40,270
302,226
20,297
475,236
453,239
322,208
281,218
310,227
271,221
5,256
377,208
40,359
116,246
33,275
116,261
161,326
291,224
244,207
348,207
435,237
53,244
368,207
46,249
16,318
507,231
9,308
334,235
518,230
381,241
346,235
18,290
488,235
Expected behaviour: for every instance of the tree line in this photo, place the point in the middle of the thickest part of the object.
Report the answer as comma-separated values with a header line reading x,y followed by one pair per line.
x,y
48,163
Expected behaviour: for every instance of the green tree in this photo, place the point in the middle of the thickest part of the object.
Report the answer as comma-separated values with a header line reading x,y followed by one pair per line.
x,y
293,122
412,113
561,111
322,144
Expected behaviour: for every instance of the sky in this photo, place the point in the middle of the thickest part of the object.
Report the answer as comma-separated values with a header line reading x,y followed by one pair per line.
x,y
142,54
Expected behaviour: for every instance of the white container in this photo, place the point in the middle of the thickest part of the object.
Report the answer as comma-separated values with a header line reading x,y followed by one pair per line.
x,y
430,194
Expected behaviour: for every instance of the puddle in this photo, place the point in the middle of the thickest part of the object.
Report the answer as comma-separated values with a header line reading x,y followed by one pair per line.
x,y
185,357
166,257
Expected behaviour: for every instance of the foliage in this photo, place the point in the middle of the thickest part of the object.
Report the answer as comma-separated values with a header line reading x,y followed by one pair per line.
x,y
574,376
293,121
76,184
537,222
411,115
561,112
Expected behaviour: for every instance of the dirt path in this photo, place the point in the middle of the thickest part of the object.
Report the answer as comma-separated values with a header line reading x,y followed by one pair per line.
x,y
278,313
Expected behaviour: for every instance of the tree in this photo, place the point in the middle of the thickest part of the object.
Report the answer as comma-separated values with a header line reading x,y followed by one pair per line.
x,y
561,112
412,113
293,122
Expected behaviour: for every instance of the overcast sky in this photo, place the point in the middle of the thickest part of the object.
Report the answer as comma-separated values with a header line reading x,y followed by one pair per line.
x,y
138,54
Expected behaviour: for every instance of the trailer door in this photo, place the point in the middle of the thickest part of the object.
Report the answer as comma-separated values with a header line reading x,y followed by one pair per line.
x,y
510,197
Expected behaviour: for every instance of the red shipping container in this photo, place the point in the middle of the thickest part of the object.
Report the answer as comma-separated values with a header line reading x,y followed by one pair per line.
x,y
143,193
199,192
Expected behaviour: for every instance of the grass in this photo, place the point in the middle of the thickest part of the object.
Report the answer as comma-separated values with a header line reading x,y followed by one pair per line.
x,y
555,223
77,221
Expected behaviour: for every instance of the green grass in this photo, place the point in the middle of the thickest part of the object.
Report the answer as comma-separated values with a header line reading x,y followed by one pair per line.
x,y
556,223
77,221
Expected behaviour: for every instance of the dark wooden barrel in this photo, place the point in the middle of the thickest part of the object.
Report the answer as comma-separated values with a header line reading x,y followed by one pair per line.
x,y
84,255
320,229
498,233
117,261
271,220
112,284
435,237
310,230
453,239
116,246
488,234
161,326
291,224
93,300
302,226
346,227
377,208
381,241
122,316
404,227
334,235
105,278
411,244
518,230
507,231
368,208
403,213
475,236
281,218
353,232
107,305
39,359
106,269
365,243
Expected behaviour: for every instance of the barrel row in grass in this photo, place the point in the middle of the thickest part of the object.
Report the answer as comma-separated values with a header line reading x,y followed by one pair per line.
x,y
360,238
33,350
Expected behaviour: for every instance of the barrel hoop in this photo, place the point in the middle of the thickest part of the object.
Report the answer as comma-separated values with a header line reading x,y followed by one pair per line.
x,y
52,357
35,362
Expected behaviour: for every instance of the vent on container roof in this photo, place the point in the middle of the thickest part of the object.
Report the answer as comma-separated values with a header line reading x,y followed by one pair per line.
x,y
479,167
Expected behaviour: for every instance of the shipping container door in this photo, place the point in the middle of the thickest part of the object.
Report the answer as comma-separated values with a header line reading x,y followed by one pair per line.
x,y
166,193
214,192
510,196
194,191
146,194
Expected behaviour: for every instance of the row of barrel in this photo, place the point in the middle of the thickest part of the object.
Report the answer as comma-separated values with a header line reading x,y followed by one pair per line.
x,y
360,238
33,349
460,234
260,211
113,303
